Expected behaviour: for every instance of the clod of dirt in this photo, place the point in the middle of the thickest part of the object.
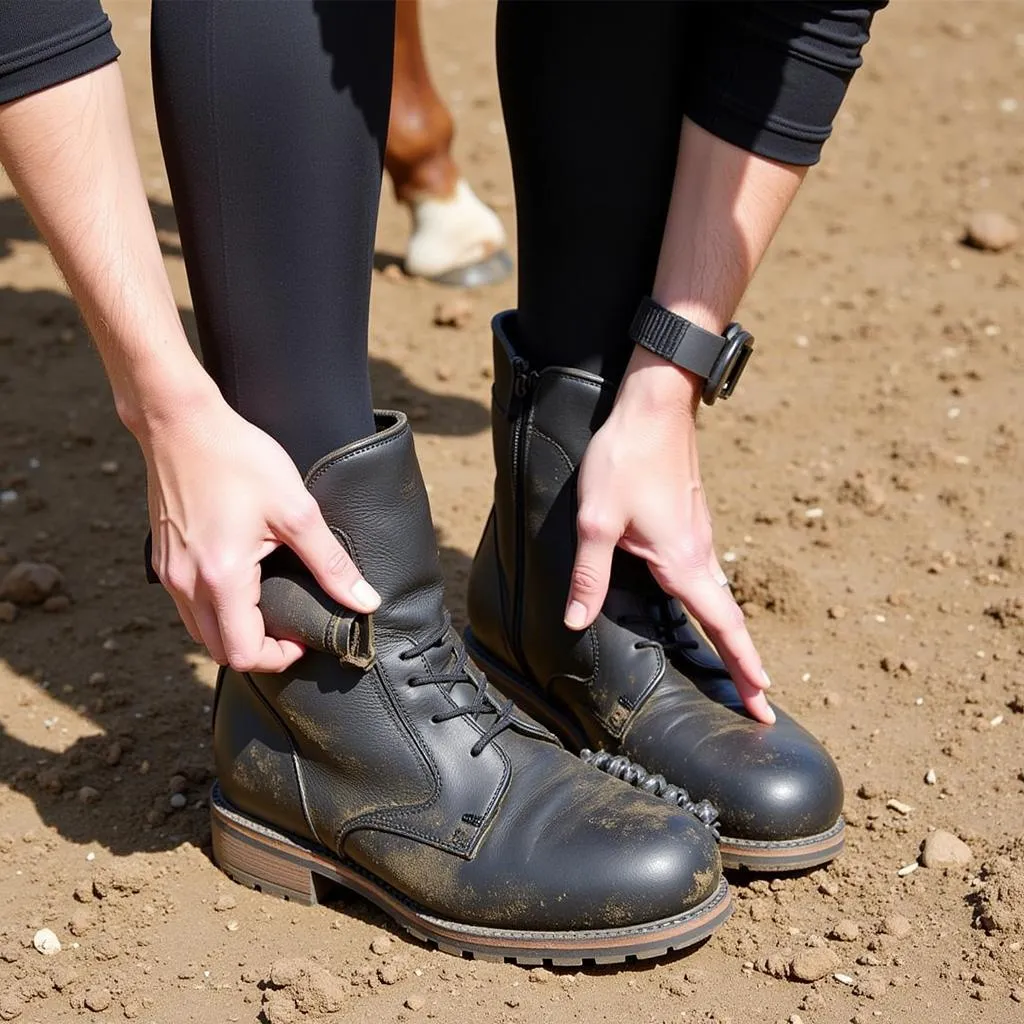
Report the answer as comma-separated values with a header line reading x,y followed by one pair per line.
x,y
390,973
63,975
8,611
770,584
863,492
312,988
11,1006
991,231
56,604
29,583
415,1002
944,850
81,921
46,942
120,880
88,795
1000,907
225,902
280,1008
812,964
541,975
98,999
453,313
870,988
845,931
897,926
380,945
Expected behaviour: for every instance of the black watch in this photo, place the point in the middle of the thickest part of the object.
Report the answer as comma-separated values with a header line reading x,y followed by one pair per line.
x,y
719,359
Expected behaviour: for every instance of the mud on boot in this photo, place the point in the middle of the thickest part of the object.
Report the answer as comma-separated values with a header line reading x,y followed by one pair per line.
x,y
641,683
382,762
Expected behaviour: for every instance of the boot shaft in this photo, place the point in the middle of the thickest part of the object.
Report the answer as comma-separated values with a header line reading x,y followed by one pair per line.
x,y
542,422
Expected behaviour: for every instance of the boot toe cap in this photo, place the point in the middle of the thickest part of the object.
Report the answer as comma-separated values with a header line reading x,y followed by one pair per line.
x,y
783,784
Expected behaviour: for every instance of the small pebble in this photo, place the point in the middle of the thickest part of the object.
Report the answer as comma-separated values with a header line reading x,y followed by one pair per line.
x,y
908,869
98,999
930,778
8,611
991,231
845,931
46,942
88,795
415,1002
843,979
899,807
178,801
944,850
897,926
453,313
381,945
225,902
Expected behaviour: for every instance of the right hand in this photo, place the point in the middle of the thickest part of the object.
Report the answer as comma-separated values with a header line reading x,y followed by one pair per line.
x,y
222,496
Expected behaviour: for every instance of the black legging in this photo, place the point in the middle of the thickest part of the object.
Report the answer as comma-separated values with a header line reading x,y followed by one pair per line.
x,y
273,118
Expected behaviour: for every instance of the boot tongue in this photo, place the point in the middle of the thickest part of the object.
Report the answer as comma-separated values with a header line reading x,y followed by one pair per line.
x,y
372,495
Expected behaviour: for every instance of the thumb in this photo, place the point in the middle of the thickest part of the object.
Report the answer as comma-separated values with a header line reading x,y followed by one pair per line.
x,y
591,572
311,539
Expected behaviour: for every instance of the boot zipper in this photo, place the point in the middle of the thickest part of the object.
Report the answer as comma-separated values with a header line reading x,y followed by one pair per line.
x,y
523,382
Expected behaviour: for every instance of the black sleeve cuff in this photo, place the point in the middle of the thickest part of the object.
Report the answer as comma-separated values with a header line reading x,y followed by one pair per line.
x,y
46,55
775,75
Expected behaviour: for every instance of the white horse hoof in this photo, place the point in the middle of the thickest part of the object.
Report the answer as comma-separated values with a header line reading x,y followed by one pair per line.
x,y
457,241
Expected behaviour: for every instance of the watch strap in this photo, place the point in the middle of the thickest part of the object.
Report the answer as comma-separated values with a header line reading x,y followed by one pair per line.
x,y
676,339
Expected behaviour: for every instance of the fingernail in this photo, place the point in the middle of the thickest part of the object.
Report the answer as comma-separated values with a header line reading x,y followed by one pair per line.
x,y
767,678
771,715
721,579
366,595
575,615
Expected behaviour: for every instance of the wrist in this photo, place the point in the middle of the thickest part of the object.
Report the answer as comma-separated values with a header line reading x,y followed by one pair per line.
x,y
652,385
152,399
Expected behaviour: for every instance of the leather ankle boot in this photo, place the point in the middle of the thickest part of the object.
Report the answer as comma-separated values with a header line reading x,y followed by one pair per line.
x,y
382,762
641,686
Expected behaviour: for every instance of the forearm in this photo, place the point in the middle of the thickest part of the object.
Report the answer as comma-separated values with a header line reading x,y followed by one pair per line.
x,y
725,208
70,154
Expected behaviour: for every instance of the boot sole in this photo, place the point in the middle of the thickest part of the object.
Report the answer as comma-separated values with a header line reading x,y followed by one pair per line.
x,y
762,856
263,858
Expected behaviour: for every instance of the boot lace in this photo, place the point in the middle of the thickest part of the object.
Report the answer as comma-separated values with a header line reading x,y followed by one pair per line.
x,y
482,703
664,630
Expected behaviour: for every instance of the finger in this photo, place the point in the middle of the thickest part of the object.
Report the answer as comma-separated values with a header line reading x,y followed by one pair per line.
x,y
591,571
306,533
717,572
714,607
209,630
188,620
247,648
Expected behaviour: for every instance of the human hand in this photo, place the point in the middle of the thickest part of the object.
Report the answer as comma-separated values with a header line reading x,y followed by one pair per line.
x,y
222,496
640,489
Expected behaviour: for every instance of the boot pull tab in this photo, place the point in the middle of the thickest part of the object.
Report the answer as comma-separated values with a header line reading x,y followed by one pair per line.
x,y
295,608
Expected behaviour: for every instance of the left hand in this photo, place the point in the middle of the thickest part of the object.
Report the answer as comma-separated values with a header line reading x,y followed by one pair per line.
x,y
640,489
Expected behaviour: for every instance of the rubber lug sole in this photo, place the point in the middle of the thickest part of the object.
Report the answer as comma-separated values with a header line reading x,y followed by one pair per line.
x,y
761,856
263,858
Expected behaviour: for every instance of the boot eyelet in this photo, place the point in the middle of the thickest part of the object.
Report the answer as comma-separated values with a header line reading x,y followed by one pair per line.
x,y
434,720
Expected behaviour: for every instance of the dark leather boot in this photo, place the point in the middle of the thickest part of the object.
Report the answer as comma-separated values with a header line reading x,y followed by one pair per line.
x,y
641,685
390,768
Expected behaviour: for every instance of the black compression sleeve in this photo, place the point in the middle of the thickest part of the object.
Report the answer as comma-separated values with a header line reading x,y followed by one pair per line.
x,y
770,77
45,42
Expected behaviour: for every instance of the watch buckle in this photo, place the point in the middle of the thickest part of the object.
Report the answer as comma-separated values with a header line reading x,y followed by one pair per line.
x,y
729,365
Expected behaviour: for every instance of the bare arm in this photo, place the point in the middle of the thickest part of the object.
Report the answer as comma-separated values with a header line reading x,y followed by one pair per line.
x,y
222,494
640,484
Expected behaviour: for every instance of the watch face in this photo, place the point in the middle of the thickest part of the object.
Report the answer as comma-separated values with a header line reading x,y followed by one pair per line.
x,y
730,365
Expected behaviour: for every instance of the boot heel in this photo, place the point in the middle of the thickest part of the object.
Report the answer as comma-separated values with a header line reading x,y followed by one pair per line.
x,y
256,859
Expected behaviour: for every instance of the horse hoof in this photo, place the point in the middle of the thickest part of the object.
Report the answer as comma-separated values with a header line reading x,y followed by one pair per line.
x,y
494,268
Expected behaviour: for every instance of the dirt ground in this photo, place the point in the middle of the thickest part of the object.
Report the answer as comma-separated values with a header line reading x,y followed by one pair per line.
x,y
867,491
